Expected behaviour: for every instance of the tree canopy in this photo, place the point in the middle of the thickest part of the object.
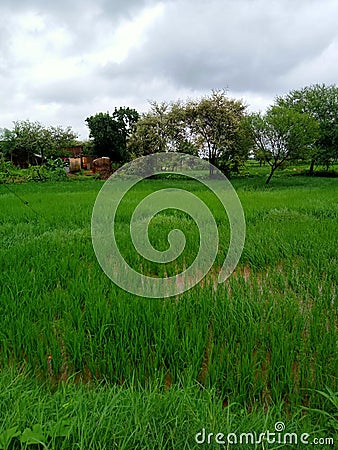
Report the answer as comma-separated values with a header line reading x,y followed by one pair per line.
x,y
215,123
110,132
302,124
321,102
30,141
210,127
283,134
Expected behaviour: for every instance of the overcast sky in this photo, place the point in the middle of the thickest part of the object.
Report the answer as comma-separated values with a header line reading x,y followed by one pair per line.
x,y
61,61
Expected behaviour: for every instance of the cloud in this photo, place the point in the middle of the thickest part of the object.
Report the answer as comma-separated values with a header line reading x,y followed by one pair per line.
x,y
246,45
62,61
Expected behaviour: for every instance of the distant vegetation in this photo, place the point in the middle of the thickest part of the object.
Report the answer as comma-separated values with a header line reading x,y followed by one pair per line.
x,y
301,126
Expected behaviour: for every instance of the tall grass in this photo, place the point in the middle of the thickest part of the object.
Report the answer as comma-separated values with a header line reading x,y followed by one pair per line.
x,y
265,341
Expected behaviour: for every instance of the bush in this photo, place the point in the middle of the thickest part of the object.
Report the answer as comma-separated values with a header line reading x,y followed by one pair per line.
x,y
9,173
52,170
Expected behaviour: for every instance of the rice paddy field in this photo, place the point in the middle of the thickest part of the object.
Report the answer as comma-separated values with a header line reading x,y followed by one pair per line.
x,y
86,365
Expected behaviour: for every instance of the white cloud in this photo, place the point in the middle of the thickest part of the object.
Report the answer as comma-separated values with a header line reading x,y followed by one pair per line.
x,y
129,34
62,61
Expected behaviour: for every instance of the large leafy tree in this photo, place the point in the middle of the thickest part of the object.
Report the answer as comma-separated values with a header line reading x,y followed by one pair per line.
x,y
283,134
60,138
110,132
29,141
151,134
210,127
321,102
216,124
161,129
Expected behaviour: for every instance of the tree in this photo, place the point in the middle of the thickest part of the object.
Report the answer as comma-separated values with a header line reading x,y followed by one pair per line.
x,y
215,122
260,156
321,102
59,139
179,132
31,141
210,127
231,160
282,134
150,134
161,129
110,133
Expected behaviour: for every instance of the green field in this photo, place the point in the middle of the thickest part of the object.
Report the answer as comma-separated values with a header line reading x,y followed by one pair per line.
x,y
86,365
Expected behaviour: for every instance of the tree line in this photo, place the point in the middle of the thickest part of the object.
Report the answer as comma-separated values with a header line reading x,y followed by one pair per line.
x,y
301,125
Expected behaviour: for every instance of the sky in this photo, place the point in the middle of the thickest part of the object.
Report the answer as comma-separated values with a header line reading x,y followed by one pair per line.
x,y
62,61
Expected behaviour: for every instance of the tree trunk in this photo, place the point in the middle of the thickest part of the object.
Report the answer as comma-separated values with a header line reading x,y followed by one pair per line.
x,y
312,166
270,175
211,162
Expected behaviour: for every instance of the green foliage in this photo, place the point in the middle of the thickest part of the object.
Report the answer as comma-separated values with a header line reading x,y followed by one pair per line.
x,y
103,417
37,435
88,148
7,435
215,123
155,131
321,102
330,410
283,134
210,127
10,173
52,170
34,435
110,133
31,142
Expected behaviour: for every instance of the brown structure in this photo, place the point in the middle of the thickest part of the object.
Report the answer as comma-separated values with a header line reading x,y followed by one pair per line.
x,y
102,166
75,165
87,162
75,150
